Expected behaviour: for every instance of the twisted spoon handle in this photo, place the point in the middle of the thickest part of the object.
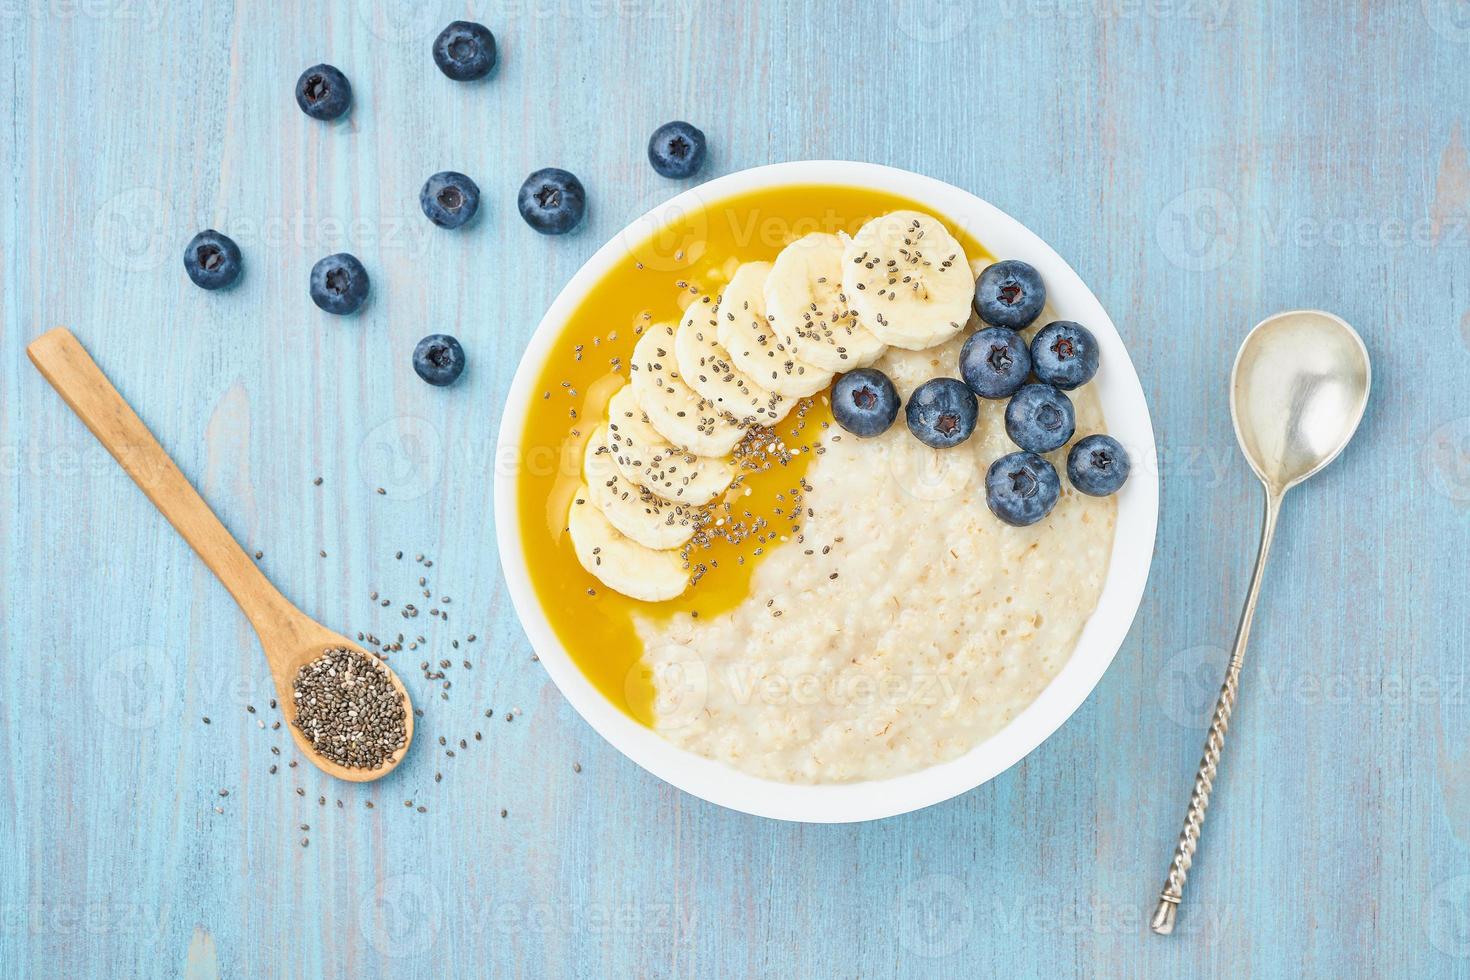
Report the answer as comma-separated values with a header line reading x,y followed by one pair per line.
x,y
1204,780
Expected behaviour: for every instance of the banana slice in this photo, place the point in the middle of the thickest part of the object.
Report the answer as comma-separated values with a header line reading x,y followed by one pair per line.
x,y
646,458
673,408
806,303
619,562
648,519
706,367
754,345
908,280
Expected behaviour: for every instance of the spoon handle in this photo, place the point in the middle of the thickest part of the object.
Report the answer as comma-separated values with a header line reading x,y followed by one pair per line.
x,y
1199,800
62,360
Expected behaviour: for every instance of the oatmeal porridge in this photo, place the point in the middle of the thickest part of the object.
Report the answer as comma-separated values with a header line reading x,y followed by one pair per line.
x,y
805,493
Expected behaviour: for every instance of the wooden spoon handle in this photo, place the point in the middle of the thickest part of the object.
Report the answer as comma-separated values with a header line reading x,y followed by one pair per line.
x,y
62,360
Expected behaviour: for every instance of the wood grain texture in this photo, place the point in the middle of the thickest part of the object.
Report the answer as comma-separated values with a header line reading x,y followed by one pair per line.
x,y
1201,163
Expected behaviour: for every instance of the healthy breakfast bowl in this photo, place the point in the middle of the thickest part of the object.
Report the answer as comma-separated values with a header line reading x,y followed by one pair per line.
x,y
810,611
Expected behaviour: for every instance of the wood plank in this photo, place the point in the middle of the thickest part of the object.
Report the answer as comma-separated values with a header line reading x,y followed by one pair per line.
x,y
1201,163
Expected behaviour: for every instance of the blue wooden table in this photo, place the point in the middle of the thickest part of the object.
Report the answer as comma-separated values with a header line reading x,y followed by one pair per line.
x,y
1201,163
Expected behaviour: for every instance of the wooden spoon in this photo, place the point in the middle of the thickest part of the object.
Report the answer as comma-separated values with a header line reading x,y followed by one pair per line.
x,y
289,637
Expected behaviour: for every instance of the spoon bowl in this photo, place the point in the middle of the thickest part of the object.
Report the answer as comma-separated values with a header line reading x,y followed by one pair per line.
x,y
291,641
1297,393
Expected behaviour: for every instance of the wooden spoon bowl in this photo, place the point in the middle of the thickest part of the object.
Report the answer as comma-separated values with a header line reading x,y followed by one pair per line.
x,y
289,637
295,643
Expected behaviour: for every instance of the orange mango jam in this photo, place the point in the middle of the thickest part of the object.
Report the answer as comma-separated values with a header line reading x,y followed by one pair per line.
x,y
673,262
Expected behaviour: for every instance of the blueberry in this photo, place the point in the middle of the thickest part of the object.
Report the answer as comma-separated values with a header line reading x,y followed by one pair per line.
x,y
449,199
339,284
942,412
1098,465
212,260
552,201
676,150
1009,294
323,92
1021,488
994,362
864,402
438,359
465,51
1064,354
1039,419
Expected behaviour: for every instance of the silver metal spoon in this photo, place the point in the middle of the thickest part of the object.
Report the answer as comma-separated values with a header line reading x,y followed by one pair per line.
x,y
1297,392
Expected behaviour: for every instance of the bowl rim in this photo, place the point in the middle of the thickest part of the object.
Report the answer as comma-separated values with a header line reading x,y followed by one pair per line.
x,y
1102,636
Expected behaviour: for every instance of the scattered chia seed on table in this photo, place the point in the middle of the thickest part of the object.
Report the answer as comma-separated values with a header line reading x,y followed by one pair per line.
x,y
348,709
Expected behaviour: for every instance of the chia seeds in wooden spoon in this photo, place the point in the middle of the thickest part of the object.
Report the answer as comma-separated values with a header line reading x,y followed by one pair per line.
x,y
348,709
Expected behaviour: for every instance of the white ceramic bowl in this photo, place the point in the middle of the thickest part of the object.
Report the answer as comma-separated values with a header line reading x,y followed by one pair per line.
x,y
1138,509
